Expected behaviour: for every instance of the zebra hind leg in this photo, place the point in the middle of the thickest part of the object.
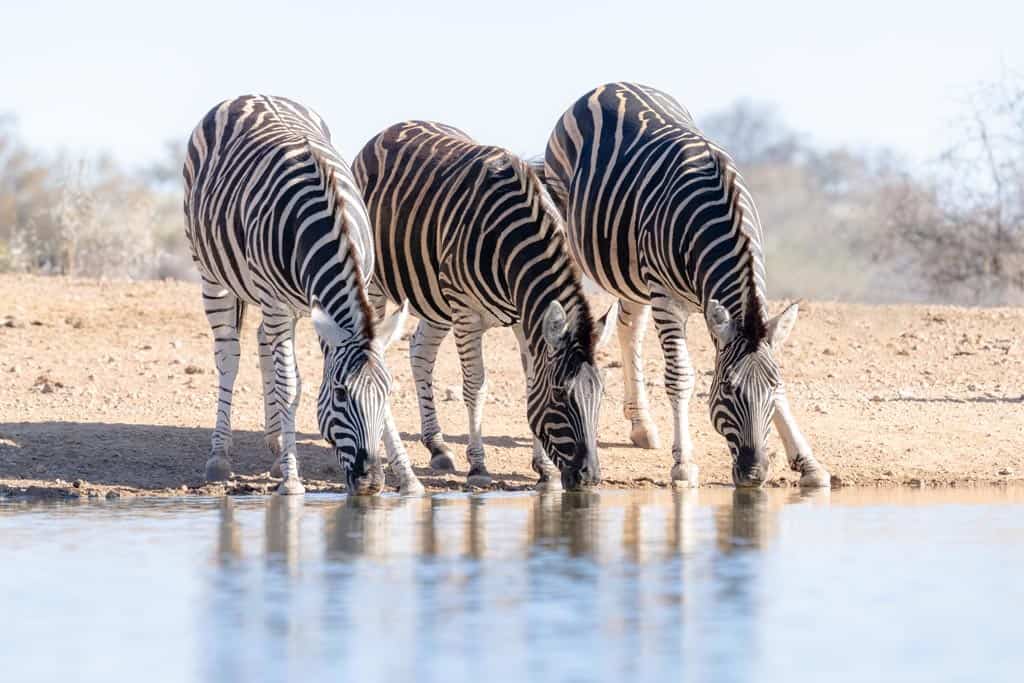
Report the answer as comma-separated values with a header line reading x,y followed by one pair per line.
x,y
225,313
632,323
422,355
670,319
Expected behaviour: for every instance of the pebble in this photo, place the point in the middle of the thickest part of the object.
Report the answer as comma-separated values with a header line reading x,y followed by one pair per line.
x,y
1006,472
452,393
193,370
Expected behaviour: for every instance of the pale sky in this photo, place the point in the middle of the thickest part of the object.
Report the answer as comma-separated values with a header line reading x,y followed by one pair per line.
x,y
125,77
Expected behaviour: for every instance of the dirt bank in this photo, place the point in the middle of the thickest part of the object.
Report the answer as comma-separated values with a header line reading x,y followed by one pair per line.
x,y
108,388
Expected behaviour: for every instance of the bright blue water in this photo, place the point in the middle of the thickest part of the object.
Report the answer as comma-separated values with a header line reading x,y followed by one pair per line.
x,y
615,586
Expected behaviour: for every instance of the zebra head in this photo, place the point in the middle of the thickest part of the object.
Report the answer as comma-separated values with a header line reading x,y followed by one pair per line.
x,y
353,404
565,395
745,384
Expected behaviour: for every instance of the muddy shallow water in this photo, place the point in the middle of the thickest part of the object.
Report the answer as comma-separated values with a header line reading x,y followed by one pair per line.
x,y
643,585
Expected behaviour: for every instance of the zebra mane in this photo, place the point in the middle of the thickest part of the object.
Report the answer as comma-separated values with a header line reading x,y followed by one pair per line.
x,y
753,326
336,204
531,173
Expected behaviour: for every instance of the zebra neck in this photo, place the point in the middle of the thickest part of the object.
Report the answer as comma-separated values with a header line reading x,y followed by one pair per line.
x,y
332,283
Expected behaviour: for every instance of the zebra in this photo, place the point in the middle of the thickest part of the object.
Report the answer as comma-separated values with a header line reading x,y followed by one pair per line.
x,y
468,235
273,219
659,216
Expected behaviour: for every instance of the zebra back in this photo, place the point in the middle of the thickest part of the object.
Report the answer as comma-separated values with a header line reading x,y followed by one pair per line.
x,y
647,195
272,211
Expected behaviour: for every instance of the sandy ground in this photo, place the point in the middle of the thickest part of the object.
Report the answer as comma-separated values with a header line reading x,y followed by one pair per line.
x,y
108,389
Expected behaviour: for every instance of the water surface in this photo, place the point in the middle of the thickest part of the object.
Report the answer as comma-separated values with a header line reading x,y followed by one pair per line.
x,y
611,586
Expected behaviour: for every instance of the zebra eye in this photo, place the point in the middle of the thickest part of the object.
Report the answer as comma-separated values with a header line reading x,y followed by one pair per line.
x,y
340,394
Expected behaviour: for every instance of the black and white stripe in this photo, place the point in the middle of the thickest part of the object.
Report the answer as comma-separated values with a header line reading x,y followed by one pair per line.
x,y
659,216
468,235
274,219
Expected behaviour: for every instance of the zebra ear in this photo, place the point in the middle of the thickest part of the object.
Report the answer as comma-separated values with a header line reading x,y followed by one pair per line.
x,y
603,331
781,325
719,323
500,163
390,328
555,325
330,332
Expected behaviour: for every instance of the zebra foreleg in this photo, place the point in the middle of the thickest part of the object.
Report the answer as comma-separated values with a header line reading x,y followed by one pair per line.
x,y
398,459
632,323
272,412
279,327
469,340
550,478
224,312
422,355
798,452
670,319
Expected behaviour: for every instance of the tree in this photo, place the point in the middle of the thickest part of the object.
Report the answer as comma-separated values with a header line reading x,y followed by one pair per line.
x,y
964,223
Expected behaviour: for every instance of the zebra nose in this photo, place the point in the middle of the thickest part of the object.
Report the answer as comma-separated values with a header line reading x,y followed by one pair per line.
x,y
588,469
750,468
361,466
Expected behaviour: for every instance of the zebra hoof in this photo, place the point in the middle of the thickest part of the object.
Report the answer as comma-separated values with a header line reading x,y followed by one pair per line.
x,y
275,469
549,485
685,475
218,468
411,487
292,486
645,435
442,463
479,478
817,478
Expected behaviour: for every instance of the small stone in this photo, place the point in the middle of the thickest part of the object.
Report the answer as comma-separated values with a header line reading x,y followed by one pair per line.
x,y
146,347
175,344
113,495
78,483
837,481
75,322
46,388
193,370
452,393
1006,472
916,483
